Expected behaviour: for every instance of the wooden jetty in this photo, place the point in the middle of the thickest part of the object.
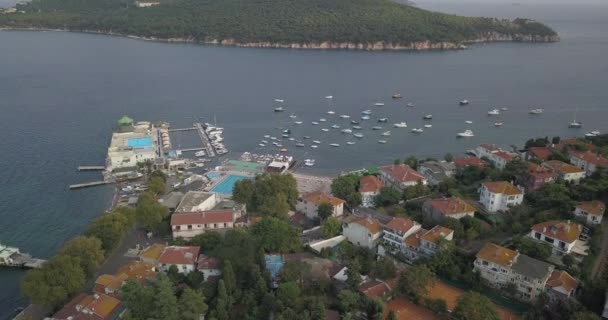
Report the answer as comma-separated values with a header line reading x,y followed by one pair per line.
x,y
182,129
91,168
88,184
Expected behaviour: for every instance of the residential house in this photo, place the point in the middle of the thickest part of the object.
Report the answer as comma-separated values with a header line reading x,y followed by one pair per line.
x,y
151,254
369,187
378,289
171,200
395,233
208,266
538,153
183,257
566,171
437,171
132,271
400,176
588,161
109,284
425,243
189,225
561,285
570,144
538,176
560,235
454,208
463,162
363,231
196,201
91,307
499,195
498,157
309,204
501,267
485,150
591,211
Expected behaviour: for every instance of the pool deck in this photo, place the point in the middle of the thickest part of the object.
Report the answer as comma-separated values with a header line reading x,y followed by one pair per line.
x,y
223,176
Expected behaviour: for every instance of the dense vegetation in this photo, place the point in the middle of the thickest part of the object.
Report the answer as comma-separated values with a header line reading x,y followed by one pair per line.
x,y
276,21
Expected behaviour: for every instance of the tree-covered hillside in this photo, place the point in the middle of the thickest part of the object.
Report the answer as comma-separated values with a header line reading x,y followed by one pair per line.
x,y
275,21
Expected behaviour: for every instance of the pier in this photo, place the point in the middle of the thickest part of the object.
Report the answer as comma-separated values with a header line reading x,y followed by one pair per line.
x,y
182,129
11,257
205,139
88,184
193,149
91,168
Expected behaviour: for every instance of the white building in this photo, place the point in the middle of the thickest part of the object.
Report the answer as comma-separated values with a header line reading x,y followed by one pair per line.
x,y
309,204
497,156
562,236
561,285
395,233
369,187
208,266
127,149
196,201
499,195
566,171
400,176
187,225
363,231
590,211
425,243
588,161
454,208
184,258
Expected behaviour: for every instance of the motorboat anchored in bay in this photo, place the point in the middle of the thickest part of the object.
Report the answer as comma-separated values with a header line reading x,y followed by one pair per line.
x,y
400,125
465,134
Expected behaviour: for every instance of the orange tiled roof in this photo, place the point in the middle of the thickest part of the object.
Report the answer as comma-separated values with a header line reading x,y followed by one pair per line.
x,y
370,184
504,155
591,157
503,187
414,238
319,197
497,254
402,173
153,252
371,224
563,231
562,167
451,206
179,255
374,289
596,207
401,224
137,270
562,279
436,233
468,161
542,153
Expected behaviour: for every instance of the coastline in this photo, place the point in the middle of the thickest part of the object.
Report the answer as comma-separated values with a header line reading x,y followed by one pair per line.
x,y
426,45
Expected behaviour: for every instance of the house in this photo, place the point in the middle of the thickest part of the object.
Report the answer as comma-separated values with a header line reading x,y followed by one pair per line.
x,y
566,145
151,254
560,235
454,208
538,176
538,153
396,231
499,195
133,271
378,289
503,267
309,204
369,187
437,171
498,157
189,225
183,257
208,266
425,243
591,211
588,161
400,176
91,307
363,231
196,201
561,285
485,150
171,200
109,284
566,171
463,162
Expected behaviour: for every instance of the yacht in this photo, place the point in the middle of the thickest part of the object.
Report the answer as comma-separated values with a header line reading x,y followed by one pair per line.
x,y
379,104
285,136
293,116
465,134
273,138
298,122
400,125
494,112
468,122
279,100
331,112
335,126
417,130
315,123
376,128
275,144
322,120
354,122
591,134
329,97
498,124
575,124
347,131
386,133
464,102
410,105
300,144
536,111
314,146
397,96
358,135
306,137
428,117
382,141
324,129
200,153
335,145
368,112
287,131
261,145
357,128
309,162
292,139
264,141
364,117
267,136
279,109
344,116
383,120
350,142
428,125
504,109
283,150
316,141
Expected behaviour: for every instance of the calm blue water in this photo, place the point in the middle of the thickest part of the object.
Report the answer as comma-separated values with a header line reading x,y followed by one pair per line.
x,y
61,93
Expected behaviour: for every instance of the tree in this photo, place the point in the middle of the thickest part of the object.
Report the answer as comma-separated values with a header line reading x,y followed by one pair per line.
x,y
191,305
243,191
222,304
438,306
109,228
288,293
54,282
353,274
165,302
139,299
268,194
474,306
384,268
568,260
87,250
415,281
412,162
325,210
348,300
229,278
354,200
156,185
416,191
150,213
391,315
585,315
276,235
294,271
535,249
208,241
343,186
374,309
331,227
388,196
555,140
448,157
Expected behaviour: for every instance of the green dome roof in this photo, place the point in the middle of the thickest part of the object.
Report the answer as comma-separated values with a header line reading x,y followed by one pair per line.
x,y
125,121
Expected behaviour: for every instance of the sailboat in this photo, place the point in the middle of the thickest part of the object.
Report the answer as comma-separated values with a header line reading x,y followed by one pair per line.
x,y
575,124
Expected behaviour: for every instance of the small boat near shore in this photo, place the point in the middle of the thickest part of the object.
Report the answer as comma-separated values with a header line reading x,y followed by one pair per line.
x,y
358,135
279,100
335,126
464,102
325,130
346,131
335,145
466,134
279,109
350,143
386,133
309,162
397,96
382,141
368,112
400,125
365,117
536,111
592,134
417,130
376,128
428,125
428,117
200,153
498,124
322,120
410,105
494,112
379,104
315,123
381,120
468,122
316,141
344,116
357,127
331,112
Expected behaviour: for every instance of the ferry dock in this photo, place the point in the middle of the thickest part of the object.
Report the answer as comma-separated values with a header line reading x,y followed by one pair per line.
x,y
12,257
205,139
91,168
88,184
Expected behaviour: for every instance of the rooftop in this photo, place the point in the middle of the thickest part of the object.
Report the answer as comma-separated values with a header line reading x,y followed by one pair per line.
x,y
319,197
468,161
497,254
451,206
532,268
401,224
402,173
89,307
205,217
192,199
172,199
591,157
207,262
374,288
542,153
137,270
153,252
503,187
371,224
437,233
489,147
504,155
413,239
562,167
595,208
179,255
562,279
564,231
370,184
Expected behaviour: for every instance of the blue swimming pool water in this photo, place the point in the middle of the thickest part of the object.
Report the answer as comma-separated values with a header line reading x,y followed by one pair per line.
x,y
213,175
140,142
226,185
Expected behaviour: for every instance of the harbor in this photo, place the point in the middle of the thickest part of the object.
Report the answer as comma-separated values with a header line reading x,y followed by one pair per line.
x,y
12,257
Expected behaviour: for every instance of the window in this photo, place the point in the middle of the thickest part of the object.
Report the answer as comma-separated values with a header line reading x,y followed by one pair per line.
x,y
537,235
189,227
177,228
485,263
215,226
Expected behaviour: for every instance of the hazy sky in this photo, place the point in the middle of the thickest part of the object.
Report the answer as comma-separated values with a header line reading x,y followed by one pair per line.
x,y
578,2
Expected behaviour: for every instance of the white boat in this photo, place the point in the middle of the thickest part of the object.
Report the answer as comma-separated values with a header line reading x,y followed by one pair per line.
x,y
344,116
368,112
357,127
285,136
283,150
376,128
331,112
300,145
365,117
504,109
199,164
273,138
264,141
383,120
428,117
575,124
275,144
596,132
306,137
324,129
316,141
335,126
592,134
382,141
358,135
350,142
468,122
315,123
397,96
466,134
279,109
293,116
346,131
322,120
386,133
498,124
400,125
261,145
355,122
200,153
267,136
335,145
379,104
428,125
291,139
464,102
417,130
410,104
298,122
314,146
309,162
536,111
329,97
494,112
279,100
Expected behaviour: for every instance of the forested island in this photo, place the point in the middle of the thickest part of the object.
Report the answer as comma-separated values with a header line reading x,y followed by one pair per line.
x,y
314,24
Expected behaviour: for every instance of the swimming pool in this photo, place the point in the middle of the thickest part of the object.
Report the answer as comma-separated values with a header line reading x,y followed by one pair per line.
x,y
225,186
142,143
213,175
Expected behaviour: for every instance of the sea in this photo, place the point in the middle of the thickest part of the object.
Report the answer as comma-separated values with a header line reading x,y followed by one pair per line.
x,y
61,94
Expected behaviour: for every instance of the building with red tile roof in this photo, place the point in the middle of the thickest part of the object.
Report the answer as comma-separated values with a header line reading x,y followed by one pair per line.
x,y
90,307
183,257
588,161
400,176
396,231
425,243
561,235
566,171
591,211
497,156
499,195
454,208
187,225
369,187
540,153
309,204
538,176
208,266
363,231
561,285
464,162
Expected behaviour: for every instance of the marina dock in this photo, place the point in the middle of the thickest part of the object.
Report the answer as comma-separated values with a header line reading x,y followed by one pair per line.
x,y
205,139
91,168
182,129
88,184
11,257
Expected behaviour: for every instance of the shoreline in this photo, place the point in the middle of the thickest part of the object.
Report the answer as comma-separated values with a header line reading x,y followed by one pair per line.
x,y
425,45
